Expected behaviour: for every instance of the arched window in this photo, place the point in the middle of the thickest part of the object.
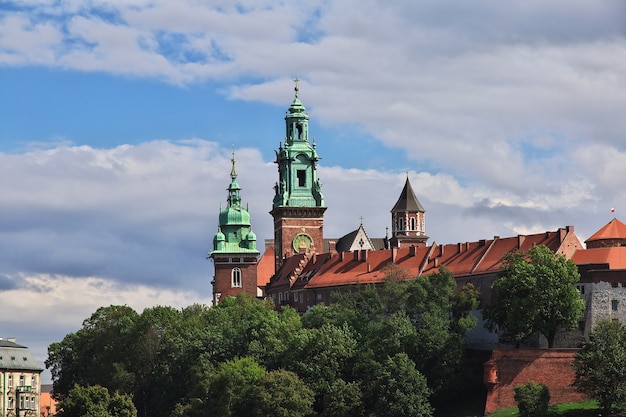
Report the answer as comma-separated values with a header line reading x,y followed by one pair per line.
x,y
235,276
412,223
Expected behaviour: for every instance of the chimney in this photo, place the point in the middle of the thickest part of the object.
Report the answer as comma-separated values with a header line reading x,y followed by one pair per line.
x,y
340,256
441,250
12,339
520,241
364,255
394,254
369,268
481,242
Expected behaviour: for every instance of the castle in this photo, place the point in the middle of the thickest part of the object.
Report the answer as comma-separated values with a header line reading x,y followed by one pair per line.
x,y
300,267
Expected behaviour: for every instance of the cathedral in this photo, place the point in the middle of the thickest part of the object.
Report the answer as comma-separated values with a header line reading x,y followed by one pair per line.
x,y
300,267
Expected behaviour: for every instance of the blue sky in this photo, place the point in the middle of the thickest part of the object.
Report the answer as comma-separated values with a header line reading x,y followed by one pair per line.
x,y
118,119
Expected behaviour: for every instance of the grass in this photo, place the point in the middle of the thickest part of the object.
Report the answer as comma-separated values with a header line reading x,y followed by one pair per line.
x,y
582,409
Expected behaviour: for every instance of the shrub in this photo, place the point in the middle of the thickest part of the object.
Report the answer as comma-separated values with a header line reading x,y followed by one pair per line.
x,y
532,399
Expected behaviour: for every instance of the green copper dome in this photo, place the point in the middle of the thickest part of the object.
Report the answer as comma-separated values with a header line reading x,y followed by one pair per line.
x,y
234,234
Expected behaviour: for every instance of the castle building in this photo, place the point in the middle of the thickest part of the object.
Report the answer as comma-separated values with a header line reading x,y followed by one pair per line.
x,y
19,380
301,268
234,254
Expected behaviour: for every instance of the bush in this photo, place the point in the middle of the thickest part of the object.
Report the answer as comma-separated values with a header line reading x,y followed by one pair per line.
x,y
532,399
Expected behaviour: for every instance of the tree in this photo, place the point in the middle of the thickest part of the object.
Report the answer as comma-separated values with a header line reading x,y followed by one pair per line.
x,y
534,293
95,401
281,393
98,354
399,389
600,365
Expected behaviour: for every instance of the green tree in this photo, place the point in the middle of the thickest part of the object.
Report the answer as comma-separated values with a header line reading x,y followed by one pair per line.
x,y
100,353
534,293
280,393
95,401
600,365
398,389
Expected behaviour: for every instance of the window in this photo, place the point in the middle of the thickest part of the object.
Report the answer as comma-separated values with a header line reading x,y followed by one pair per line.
x,y
235,276
614,305
33,381
21,402
10,381
286,296
11,403
21,380
301,178
301,298
32,402
280,297
412,223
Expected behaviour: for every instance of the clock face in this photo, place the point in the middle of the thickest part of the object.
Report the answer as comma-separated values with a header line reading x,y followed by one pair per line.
x,y
302,243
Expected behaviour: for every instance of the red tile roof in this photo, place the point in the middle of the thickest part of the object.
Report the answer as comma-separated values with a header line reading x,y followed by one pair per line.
x,y
462,259
614,229
265,267
614,256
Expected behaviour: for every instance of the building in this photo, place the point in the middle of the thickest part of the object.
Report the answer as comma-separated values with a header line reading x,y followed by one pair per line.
x,y
300,267
298,205
19,380
234,254
602,268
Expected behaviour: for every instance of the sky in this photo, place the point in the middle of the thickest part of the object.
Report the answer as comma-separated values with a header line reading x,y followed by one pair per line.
x,y
118,120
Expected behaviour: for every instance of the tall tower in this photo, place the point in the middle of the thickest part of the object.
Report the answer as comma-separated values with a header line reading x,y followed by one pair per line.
x,y
234,253
298,207
408,219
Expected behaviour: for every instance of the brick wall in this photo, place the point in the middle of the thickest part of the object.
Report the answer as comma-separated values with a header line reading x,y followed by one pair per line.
x,y
514,367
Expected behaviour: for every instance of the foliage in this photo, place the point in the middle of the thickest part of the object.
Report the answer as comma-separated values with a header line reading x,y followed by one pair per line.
x,y
374,351
532,399
534,293
95,401
389,396
600,365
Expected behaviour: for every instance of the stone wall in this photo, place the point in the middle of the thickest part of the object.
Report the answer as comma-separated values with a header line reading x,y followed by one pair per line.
x,y
514,367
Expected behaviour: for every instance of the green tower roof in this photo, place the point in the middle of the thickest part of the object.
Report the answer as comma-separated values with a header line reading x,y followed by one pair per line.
x,y
234,234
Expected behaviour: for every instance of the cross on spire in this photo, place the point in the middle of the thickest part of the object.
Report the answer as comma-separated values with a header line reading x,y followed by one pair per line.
x,y
296,88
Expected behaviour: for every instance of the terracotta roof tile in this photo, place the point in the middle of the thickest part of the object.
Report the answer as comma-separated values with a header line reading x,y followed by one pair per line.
x,y
614,256
614,229
265,267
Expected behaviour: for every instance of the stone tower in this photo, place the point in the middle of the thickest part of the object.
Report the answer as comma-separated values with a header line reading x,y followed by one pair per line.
x,y
298,207
234,252
408,219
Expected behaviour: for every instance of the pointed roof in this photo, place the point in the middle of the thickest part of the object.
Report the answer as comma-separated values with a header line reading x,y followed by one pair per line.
x,y
614,229
408,201
357,239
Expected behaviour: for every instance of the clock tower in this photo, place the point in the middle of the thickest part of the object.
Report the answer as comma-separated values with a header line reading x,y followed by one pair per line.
x,y
298,206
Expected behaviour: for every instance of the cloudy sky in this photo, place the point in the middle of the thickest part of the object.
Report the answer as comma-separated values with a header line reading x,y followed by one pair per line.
x,y
118,119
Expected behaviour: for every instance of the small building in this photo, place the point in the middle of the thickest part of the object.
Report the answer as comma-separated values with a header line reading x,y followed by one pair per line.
x,y
19,380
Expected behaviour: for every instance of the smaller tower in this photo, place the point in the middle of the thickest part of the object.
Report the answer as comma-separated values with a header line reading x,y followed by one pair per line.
x,y
408,219
234,252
